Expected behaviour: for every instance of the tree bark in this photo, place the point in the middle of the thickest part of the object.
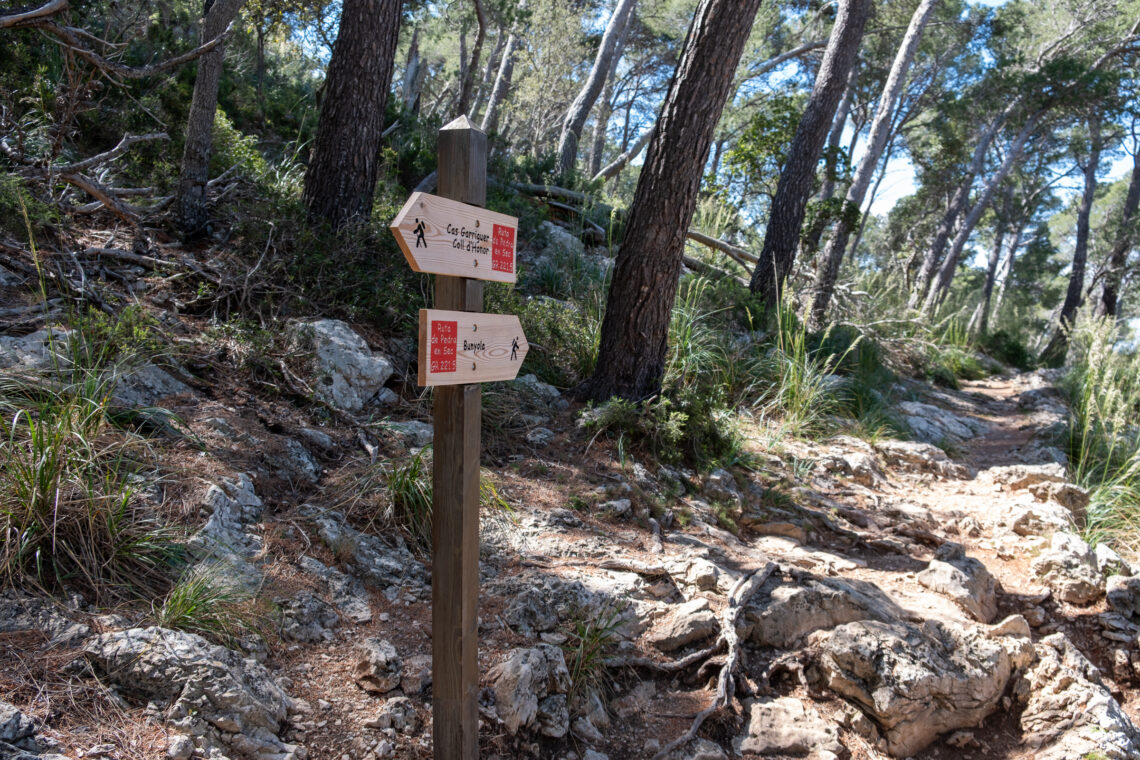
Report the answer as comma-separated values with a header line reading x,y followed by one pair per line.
x,y
949,267
1010,259
414,73
190,206
1054,353
946,226
786,217
341,176
828,271
580,108
612,169
467,85
811,238
631,357
1110,291
490,123
605,109
489,70
981,313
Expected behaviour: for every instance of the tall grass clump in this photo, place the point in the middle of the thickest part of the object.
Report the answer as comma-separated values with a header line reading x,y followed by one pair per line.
x,y
1104,440
71,514
206,601
399,493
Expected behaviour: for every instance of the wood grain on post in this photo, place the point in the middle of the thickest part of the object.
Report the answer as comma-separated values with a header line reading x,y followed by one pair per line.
x,y
455,508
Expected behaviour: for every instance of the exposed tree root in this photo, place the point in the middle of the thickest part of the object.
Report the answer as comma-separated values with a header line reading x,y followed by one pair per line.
x,y
742,591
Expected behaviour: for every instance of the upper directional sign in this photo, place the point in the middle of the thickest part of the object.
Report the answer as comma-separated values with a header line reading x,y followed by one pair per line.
x,y
459,347
443,236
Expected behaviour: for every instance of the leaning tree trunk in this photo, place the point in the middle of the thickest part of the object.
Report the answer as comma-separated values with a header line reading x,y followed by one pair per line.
x,y
190,205
605,110
467,84
828,272
990,305
580,108
1054,353
631,356
787,213
933,254
810,243
481,92
341,177
975,327
949,267
1110,292
490,123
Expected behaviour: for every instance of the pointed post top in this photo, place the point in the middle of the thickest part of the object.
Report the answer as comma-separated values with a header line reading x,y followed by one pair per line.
x,y
461,122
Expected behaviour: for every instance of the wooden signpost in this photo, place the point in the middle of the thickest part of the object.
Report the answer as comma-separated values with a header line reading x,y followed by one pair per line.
x,y
459,348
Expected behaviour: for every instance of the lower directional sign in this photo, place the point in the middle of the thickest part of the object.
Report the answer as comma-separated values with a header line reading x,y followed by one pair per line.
x,y
458,347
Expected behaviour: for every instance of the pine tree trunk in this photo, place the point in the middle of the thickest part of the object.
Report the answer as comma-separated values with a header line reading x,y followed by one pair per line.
x,y
580,109
810,243
413,75
631,357
190,207
341,176
1110,292
605,109
1054,353
828,272
781,238
977,320
933,255
467,84
481,92
490,123
949,268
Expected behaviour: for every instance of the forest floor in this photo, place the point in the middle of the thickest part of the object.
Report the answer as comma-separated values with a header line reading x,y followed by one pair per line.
x,y
872,637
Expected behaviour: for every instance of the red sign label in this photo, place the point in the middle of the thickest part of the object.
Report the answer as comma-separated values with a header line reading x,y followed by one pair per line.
x,y
443,335
503,249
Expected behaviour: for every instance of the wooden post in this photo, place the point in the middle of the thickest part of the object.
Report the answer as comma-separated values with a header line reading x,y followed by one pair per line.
x,y
455,507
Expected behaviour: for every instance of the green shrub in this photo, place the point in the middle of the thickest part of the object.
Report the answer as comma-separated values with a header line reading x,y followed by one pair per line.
x,y
234,149
1009,349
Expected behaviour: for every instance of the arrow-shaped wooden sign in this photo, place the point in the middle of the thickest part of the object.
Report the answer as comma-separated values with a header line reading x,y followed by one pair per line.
x,y
443,236
459,347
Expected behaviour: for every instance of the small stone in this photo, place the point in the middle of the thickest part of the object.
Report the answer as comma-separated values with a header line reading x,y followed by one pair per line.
x,y
180,747
379,667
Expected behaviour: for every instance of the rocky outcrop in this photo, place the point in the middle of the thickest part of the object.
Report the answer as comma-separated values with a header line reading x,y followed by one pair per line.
x,y
1069,568
963,579
527,684
786,727
19,613
307,618
684,624
933,424
382,562
913,456
1069,713
914,682
346,373
791,605
348,594
220,698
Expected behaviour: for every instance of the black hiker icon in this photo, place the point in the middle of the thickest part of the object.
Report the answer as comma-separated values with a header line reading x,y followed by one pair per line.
x,y
419,230
515,350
